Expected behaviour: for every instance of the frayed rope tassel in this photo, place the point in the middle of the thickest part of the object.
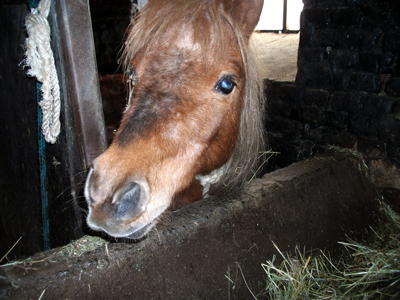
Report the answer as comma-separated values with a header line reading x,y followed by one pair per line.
x,y
40,60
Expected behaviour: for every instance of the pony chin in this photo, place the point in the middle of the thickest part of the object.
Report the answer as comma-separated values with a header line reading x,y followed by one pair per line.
x,y
135,231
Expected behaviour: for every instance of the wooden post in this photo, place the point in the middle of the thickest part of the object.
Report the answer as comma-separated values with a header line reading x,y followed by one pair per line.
x,y
83,80
284,25
82,136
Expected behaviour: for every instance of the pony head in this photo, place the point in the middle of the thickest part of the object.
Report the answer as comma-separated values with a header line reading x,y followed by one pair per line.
x,y
193,121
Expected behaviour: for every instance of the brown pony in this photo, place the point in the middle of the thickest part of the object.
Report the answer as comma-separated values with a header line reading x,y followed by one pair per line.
x,y
193,123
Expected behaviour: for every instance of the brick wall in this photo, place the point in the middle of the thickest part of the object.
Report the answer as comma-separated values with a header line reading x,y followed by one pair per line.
x,y
347,90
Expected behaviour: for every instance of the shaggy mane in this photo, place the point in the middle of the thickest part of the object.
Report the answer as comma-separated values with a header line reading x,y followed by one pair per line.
x,y
204,17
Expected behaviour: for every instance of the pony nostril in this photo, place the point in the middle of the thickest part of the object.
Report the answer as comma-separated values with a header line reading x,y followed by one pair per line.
x,y
129,205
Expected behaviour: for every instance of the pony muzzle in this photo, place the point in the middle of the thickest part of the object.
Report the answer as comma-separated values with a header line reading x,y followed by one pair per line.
x,y
116,211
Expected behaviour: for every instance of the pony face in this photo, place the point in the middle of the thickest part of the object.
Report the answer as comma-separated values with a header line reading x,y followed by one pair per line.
x,y
182,121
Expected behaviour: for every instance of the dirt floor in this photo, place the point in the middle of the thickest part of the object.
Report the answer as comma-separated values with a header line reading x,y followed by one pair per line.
x,y
213,248
277,53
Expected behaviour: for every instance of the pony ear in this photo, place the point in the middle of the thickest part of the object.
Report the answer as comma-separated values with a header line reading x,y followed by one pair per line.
x,y
249,13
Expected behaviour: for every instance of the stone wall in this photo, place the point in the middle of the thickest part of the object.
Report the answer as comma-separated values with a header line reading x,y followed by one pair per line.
x,y
347,90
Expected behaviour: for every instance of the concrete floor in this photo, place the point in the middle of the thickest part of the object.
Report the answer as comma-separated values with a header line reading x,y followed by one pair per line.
x,y
277,53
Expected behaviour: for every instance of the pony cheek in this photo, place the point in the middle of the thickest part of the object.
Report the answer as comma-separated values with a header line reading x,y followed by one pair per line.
x,y
172,175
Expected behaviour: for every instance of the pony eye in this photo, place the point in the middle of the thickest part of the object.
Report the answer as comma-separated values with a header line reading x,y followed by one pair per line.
x,y
225,86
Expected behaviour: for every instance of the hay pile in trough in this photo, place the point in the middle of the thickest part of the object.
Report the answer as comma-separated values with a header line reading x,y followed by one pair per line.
x,y
367,270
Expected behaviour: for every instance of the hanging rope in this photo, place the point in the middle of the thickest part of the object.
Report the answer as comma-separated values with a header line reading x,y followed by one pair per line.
x,y
43,174
39,57
34,59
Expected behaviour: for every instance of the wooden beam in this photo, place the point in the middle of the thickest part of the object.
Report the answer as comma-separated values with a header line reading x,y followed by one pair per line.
x,y
83,80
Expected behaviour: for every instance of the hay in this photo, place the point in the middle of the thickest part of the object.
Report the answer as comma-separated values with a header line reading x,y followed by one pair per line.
x,y
368,270
76,248
8,252
264,156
